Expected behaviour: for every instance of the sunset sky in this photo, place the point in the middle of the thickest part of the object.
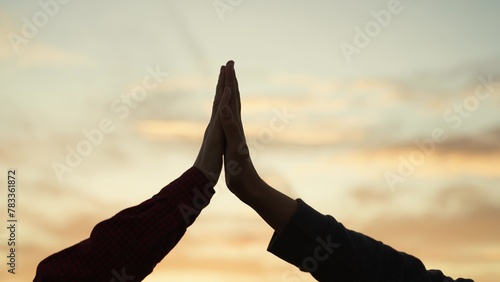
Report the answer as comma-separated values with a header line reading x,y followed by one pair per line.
x,y
390,114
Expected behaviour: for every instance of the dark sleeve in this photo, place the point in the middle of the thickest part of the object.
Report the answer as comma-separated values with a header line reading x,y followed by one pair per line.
x,y
318,244
128,246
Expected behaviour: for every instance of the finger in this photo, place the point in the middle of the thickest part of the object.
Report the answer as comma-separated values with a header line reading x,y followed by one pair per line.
x,y
230,82
238,98
232,129
235,82
218,92
228,78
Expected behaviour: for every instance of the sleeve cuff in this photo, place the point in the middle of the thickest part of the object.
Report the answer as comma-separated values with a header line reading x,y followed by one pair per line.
x,y
190,193
301,235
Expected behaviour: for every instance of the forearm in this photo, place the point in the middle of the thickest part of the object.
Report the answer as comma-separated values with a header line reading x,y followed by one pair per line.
x,y
134,240
273,206
318,244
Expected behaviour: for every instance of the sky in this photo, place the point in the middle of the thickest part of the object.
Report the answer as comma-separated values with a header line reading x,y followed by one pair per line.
x,y
388,109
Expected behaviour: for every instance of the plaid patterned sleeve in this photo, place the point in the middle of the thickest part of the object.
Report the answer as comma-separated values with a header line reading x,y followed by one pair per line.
x,y
128,246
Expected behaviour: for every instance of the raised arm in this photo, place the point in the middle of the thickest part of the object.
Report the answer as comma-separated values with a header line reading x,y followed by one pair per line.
x,y
127,246
241,177
313,242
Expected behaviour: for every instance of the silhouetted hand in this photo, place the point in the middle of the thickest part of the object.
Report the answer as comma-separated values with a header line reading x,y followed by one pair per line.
x,y
241,176
209,159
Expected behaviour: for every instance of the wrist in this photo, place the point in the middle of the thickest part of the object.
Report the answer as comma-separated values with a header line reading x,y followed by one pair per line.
x,y
273,206
255,191
209,173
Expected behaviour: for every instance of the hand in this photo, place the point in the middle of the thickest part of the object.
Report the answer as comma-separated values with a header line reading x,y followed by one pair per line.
x,y
241,176
209,159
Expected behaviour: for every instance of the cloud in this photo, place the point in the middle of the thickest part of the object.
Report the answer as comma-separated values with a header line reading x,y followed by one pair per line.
x,y
35,53
466,155
329,112
7,25
38,54
169,130
482,144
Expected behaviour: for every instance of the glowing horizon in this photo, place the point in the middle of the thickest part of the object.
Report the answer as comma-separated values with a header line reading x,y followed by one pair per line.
x,y
399,140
